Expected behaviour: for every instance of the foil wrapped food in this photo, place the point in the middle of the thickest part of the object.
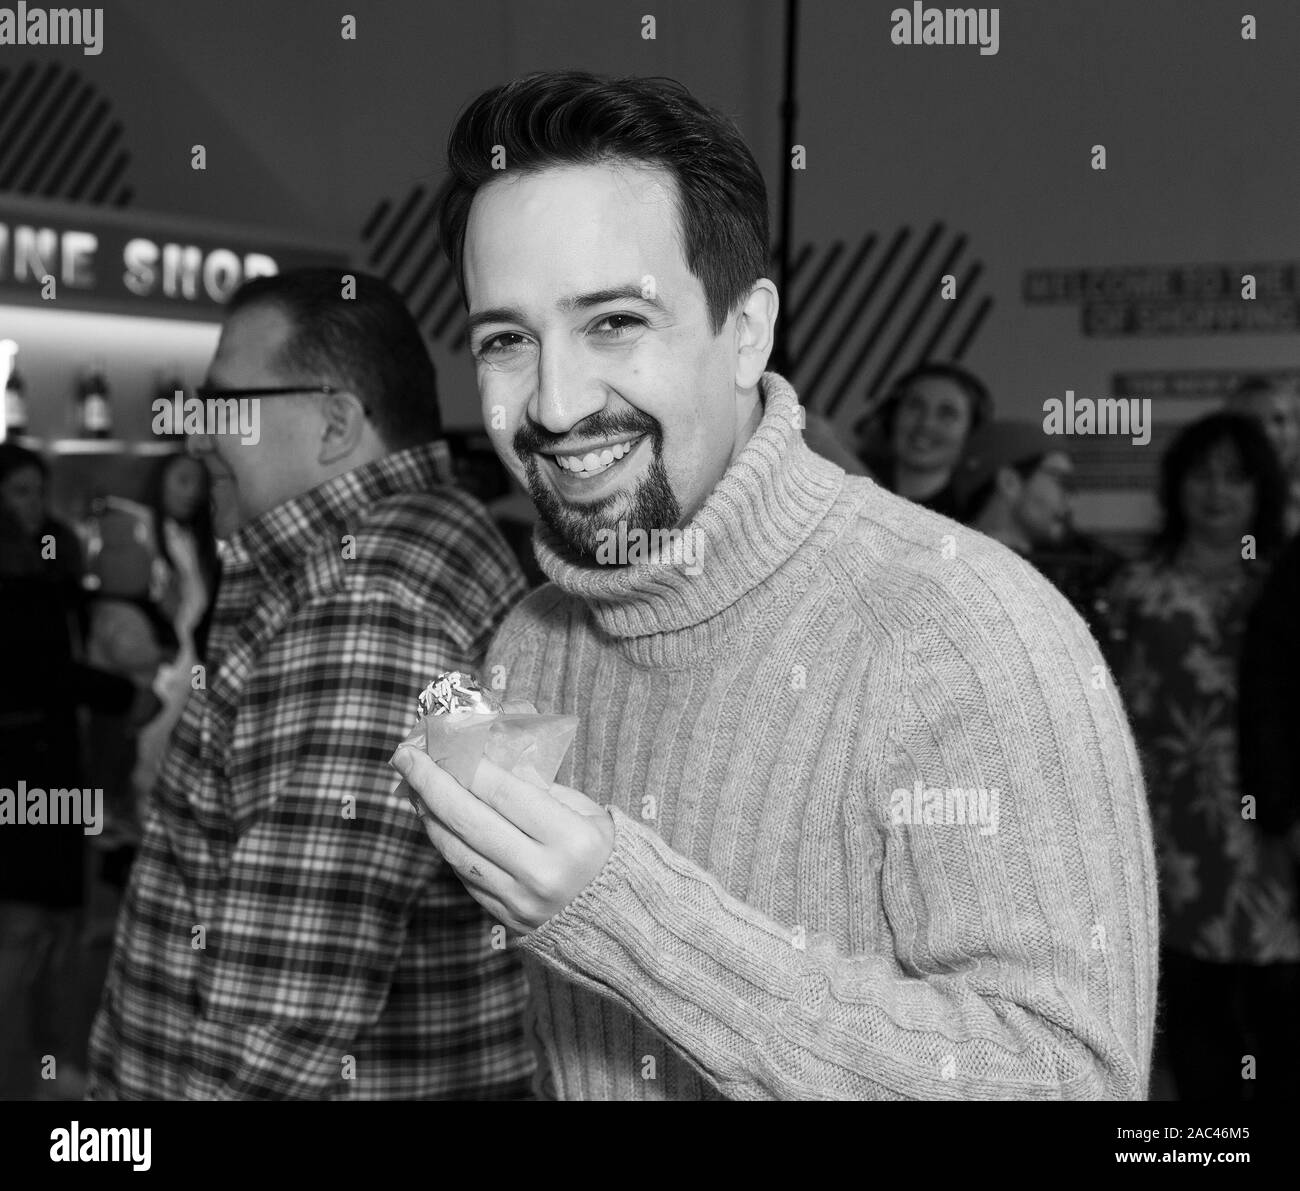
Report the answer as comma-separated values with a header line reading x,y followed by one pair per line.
x,y
460,722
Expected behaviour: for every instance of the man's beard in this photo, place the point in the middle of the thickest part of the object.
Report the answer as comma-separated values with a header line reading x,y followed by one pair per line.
x,y
582,529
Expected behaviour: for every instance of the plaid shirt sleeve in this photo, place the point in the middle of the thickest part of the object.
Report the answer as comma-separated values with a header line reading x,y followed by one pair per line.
x,y
340,957
328,861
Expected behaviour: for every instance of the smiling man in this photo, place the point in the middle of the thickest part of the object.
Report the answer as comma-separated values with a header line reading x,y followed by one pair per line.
x,y
284,936
722,900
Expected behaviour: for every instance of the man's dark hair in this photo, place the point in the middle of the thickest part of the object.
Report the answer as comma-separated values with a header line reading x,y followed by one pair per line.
x,y
1191,447
368,343
560,118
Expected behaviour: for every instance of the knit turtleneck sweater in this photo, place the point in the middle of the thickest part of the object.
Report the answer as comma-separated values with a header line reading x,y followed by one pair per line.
x,y
797,906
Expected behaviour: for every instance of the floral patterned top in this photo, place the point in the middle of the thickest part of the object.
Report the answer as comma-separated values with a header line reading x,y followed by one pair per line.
x,y
1227,891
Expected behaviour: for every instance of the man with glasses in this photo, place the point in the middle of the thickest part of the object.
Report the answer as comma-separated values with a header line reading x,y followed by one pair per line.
x,y
1016,485
284,934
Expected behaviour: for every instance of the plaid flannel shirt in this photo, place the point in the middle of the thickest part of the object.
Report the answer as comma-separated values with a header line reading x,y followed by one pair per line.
x,y
289,931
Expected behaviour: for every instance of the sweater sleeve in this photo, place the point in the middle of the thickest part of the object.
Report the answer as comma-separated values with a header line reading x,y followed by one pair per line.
x,y
1020,962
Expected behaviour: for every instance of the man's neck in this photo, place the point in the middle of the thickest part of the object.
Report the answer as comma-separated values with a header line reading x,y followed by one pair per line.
x,y
748,426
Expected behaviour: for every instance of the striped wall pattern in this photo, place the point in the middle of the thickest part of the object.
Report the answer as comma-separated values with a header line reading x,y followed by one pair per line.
x,y
400,240
857,315
59,138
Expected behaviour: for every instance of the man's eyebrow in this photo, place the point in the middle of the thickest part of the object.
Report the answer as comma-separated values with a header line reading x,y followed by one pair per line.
x,y
496,314
617,293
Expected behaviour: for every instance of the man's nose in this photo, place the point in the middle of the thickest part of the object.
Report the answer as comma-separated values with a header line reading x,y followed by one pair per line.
x,y
198,445
567,390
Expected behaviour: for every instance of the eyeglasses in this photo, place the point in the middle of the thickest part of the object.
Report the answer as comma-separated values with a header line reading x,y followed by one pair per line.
x,y
282,391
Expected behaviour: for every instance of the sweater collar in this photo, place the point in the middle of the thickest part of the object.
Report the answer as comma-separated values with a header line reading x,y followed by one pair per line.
x,y
278,540
767,504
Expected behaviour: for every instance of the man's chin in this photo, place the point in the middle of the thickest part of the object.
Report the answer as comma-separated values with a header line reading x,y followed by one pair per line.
x,y
584,530
580,531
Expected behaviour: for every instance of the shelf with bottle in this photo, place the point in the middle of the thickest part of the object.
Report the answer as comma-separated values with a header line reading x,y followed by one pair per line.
x,y
97,446
111,446
91,423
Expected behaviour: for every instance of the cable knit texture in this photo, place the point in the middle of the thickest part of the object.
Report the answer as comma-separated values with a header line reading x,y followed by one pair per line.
x,y
770,925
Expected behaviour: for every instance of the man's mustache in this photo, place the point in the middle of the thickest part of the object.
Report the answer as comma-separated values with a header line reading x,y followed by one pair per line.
x,y
531,438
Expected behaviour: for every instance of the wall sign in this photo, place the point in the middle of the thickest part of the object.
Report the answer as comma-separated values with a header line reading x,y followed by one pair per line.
x,y
1191,383
1161,300
102,264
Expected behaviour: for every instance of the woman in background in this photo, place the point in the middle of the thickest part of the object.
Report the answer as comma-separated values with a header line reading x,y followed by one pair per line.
x,y
184,584
1229,927
185,573
925,424
156,570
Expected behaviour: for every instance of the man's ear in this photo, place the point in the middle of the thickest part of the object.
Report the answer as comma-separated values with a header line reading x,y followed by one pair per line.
x,y
756,333
343,422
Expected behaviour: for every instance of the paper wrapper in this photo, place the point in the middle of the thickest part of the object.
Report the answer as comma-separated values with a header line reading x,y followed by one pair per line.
x,y
516,737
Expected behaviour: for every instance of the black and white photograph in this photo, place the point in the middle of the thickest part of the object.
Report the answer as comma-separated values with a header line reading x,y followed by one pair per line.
x,y
675,551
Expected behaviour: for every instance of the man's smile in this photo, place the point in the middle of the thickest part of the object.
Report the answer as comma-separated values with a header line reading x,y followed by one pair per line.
x,y
592,472
591,460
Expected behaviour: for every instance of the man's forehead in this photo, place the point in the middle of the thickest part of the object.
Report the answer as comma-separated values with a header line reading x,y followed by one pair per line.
x,y
573,231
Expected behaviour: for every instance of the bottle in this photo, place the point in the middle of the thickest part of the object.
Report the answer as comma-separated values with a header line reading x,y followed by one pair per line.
x,y
93,417
166,388
15,401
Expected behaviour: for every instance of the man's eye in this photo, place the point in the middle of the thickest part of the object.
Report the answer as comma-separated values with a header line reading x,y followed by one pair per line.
x,y
617,326
501,345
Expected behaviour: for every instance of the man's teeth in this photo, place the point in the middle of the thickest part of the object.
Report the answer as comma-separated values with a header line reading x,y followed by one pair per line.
x,y
595,461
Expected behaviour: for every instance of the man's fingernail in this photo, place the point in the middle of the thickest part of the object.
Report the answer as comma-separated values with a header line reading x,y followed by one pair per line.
x,y
402,761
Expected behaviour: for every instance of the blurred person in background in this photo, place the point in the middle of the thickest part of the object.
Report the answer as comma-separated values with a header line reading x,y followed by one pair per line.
x,y
128,635
183,581
1275,405
186,566
924,426
155,568
42,867
1016,485
1230,937
1269,722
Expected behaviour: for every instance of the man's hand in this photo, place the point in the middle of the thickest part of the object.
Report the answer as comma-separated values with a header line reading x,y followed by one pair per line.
x,y
522,852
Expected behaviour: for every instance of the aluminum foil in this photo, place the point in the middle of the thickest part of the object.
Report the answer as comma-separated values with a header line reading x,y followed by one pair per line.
x,y
454,693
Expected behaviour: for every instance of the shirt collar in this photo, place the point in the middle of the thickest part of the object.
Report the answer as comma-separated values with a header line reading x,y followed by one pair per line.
x,y
278,540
